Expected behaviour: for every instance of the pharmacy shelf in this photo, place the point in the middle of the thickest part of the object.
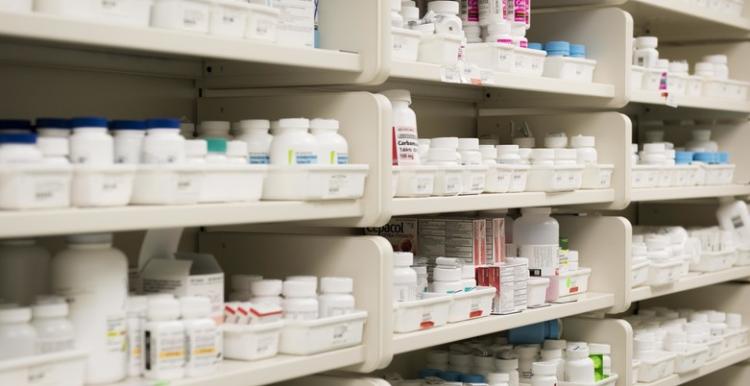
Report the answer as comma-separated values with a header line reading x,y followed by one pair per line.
x,y
263,372
717,104
82,220
692,281
495,323
683,193
717,364
425,205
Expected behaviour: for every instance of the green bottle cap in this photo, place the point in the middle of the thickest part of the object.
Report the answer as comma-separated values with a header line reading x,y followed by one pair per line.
x,y
216,145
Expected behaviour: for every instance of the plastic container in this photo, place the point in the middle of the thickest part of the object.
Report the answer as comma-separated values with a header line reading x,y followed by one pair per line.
x,y
405,44
537,291
474,304
251,342
165,353
67,8
645,54
492,56
569,68
54,332
228,18
90,143
414,180
529,61
656,365
714,261
134,13
429,312
321,335
597,176
448,180
332,146
62,368
640,273
102,185
177,184
182,15
94,276
336,296
579,368
262,22
537,236
128,140
441,49
404,128
315,182
17,337
567,284
661,273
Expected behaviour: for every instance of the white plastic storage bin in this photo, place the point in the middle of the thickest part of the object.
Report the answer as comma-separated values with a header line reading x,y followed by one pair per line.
x,y
554,178
232,183
658,366
677,84
536,292
640,274
35,186
167,184
646,176
473,304
567,68
262,23
520,179
60,369
440,49
321,335
69,8
413,180
664,273
609,381
315,182
21,6
568,284
182,15
422,314
652,79
694,86
136,13
251,342
529,61
405,44
714,261
448,181
636,77
692,359
491,56
99,186
228,18
499,178
474,179
597,176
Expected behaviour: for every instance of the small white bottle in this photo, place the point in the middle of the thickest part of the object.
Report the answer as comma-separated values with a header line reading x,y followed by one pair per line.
x,y
237,152
54,332
579,367
196,151
17,336
266,292
446,17
645,54
336,296
538,238
468,148
55,150
91,143
128,137
404,128
293,145
255,133
300,300
214,129
164,340
543,157
241,287
332,146
508,154
554,355
447,276
544,374
163,143
585,146
404,277
509,366
217,151
137,307
53,127
202,337
499,32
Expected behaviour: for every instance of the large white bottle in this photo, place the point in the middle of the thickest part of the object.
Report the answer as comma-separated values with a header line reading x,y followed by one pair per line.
x,y
537,236
405,149
24,271
93,276
733,216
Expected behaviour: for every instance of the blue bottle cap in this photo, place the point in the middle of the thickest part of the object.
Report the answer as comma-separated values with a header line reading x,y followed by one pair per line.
x,y
536,46
20,138
88,122
683,157
450,376
427,372
557,48
163,123
127,125
723,157
704,156
53,123
17,124
472,378
577,50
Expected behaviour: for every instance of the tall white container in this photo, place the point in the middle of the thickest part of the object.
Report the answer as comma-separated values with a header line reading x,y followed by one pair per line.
x,y
93,276
538,238
24,271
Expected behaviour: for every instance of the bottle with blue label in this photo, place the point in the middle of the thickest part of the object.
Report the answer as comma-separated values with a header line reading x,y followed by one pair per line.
x,y
292,144
254,132
333,148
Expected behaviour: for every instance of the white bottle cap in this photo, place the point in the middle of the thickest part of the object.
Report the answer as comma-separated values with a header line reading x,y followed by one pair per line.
x,y
444,143
541,154
601,348
241,282
507,149
163,308
525,142
399,95
582,141
659,147
336,285
409,12
577,351
446,273
196,148
324,124
468,144
236,149
90,238
299,289
545,210
194,307
704,67
489,152
15,314
268,287
450,7
566,154
53,146
403,259
294,123
552,344
646,42
214,126
556,141
50,310
254,124
543,368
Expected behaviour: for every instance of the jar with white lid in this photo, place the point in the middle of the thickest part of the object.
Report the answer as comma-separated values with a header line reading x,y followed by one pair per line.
x,y
566,157
19,148
137,307
499,32
447,276
537,235
93,276
579,367
90,142
300,300
525,142
404,128
24,270
721,70
237,152
293,145
489,154
556,141
241,287
128,137
54,332
705,70
53,127
164,340
255,133
544,374
15,126
17,336
267,291
196,151
446,17
410,14
202,336
217,151
404,277
336,296
163,143
184,15
543,157
508,364
518,32
214,129
55,150
508,154
333,148
585,146
468,149
645,54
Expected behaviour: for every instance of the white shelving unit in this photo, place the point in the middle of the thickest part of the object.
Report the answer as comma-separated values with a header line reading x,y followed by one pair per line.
x,y
654,98
717,364
692,281
686,193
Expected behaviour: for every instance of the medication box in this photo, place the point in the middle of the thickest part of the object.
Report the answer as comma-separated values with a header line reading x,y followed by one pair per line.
x,y
461,238
400,232
188,274
502,279
495,240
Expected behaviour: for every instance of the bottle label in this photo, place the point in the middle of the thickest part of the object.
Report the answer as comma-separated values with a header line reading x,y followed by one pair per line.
x,y
164,350
470,10
542,257
301,157
201,347
135,345
598,360
259,159
342,158
491,11
116,334
54,344
407,145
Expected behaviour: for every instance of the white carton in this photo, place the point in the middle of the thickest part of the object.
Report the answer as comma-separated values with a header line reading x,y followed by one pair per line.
x,y
400,232
188,274
296,22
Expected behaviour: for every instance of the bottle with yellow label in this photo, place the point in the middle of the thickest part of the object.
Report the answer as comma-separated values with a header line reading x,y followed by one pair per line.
x,y
202,337
163,340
